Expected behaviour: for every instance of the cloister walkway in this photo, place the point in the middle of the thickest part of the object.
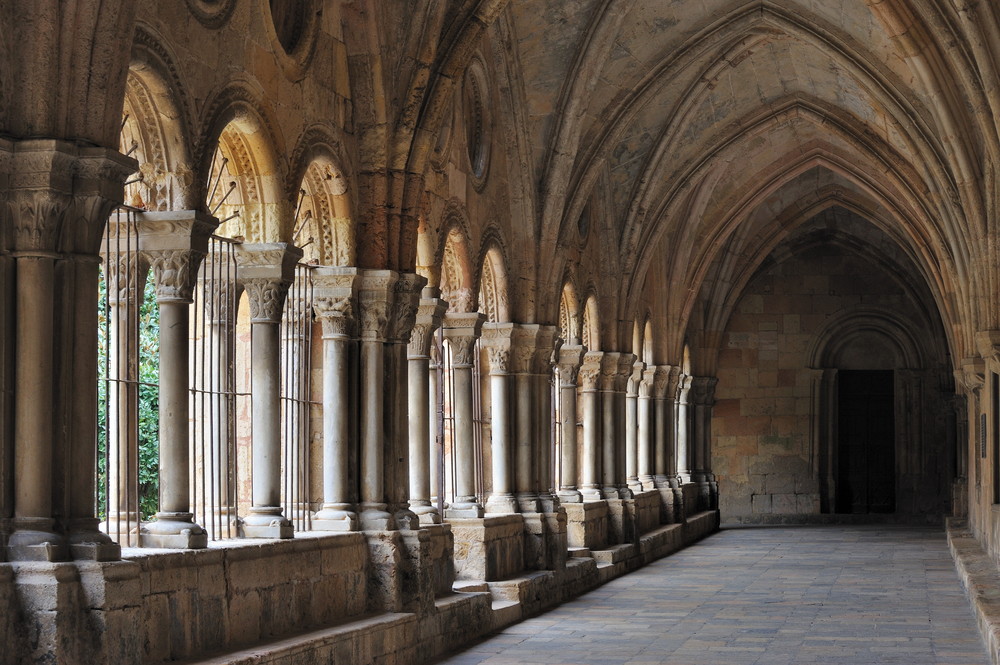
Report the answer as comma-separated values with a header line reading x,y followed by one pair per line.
x,y
772,596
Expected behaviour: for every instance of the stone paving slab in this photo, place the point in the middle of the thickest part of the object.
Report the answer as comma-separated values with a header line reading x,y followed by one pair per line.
x,y
853,595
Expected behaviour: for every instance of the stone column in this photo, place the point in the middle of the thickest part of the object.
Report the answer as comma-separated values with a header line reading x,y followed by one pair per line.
x,y
58,200
461,330
404,313
523,342
703,398
646,429
570,361
174,243
682,429
420,417
333,302
632,426
375,296
590,373
497,340
609,425
434,432
545,344
266,271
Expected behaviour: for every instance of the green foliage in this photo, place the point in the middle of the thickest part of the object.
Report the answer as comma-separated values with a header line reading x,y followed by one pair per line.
x,y
148,394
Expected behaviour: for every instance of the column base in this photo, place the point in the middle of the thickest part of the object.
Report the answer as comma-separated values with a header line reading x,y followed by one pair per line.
x,y
634,485
548,503
87,542
527,502
175,531
374,517
570,495
34,540
501,504
426,514
625,493
334,519
661,481
266,522
647,482
591,494
406,519
463,510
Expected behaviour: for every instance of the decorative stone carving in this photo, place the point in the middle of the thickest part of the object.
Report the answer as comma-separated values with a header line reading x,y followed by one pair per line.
x,y
37,216
590,371
333,300
406,303
661,377
646,381
496,339
609,371
267,299
523,342
174,244
570,362
462,330
429,313
174,272
626,362
546,345
703,390
375,296
266,270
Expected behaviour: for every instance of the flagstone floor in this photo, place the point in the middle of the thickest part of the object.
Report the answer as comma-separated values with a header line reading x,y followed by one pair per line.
x,y
853,595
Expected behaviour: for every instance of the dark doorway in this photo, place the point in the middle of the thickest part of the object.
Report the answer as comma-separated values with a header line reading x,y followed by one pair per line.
x,y
866,455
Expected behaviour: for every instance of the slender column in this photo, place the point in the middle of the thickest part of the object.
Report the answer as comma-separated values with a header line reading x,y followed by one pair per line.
x,y
420,419
523,342
609,425
545,344
670,425
404,313
333,302
703,391
682,420
266,271
626,361
645,430
632,426
375,296
434,433
570,361
461,330
174,244
497,340
589,378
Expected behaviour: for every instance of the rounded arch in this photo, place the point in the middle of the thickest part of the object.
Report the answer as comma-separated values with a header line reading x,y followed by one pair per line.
x,y
591,329
494,286
156,129
833,341
457,275
569,314
648,355
243,172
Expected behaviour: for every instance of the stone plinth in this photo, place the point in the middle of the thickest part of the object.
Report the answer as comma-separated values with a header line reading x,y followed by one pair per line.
x,y
621,521
587,524
670,511
690,493
442,564
488,548
545,540
647,511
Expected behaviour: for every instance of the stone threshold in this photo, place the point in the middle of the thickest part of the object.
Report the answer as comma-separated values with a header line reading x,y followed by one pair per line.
x,y
981,578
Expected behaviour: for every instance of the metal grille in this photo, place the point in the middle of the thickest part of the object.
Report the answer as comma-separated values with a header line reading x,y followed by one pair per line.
x,y
296,366
555,421
478,423
446,422
214,467
127,384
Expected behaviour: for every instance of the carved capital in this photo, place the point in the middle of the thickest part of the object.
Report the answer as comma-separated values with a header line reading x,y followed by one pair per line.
x,y
988,343
375,299
496,339
646,381
609,371
462,330
175,272
404,311
125,277
547,342
703,390
37,215
430,311
267,299
523,341
590,371
972,376
661,378
174,244
626,365
570,360
333,300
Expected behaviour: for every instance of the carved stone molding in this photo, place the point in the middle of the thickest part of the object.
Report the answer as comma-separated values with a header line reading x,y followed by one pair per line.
x,y
267,299
569,364
646,381
175,273
125,278
524,339
661,379
609,371
703,390
972,376
590,371
462,329
406,302
174,243
497,342
635,377
334,300
430,312
375,297
547,342
626,363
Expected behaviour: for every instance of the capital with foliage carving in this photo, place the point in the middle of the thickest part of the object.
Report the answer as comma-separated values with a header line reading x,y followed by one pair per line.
x,y
646,381
174,243
333,300
430,311
404,312
375,299
497,340
609,371
266,270
547,344
703,390
661,380
523,341
461,329
590,371
972,376
570,359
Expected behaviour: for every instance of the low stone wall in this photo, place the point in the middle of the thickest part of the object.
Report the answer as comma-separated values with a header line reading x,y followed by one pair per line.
x,y
488,548
587,524
981,578
647,510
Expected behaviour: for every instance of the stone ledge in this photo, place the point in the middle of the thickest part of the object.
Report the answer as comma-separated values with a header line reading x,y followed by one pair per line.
x,y
981,578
